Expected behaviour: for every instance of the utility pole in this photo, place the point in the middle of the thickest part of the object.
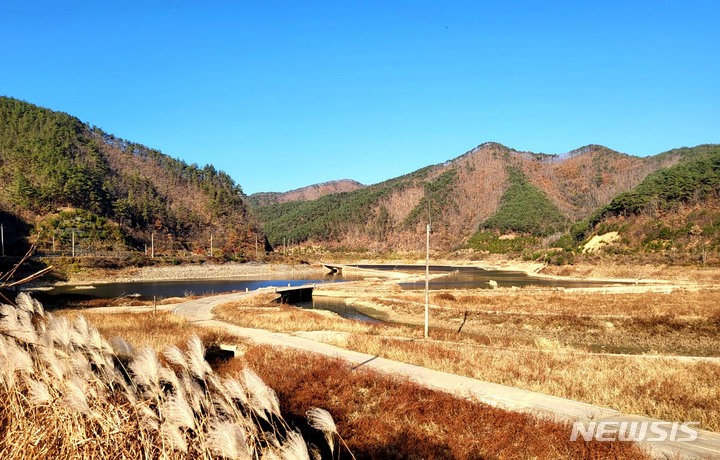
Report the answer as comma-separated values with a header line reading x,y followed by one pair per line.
x,y
427,271
73,243
427,280
211,246
256,251
152,245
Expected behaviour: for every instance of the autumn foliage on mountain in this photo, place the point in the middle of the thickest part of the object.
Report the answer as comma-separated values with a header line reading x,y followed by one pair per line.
x,y
491,188
63,176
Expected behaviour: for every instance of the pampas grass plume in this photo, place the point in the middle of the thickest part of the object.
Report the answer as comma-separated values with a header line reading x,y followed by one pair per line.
x,y
321,420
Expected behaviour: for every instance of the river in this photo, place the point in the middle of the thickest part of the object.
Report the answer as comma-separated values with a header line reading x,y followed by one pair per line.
x,y
456,278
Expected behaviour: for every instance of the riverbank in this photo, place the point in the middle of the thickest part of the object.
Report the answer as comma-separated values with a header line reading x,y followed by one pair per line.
x,y
191,272
610,273
635,278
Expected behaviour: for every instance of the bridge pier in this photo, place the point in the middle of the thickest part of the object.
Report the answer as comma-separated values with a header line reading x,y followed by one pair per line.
x,y
295,294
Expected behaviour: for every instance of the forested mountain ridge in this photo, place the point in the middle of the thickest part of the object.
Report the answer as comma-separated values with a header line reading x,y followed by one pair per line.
x,y
63,177
674,213
60,174
310,192
491,188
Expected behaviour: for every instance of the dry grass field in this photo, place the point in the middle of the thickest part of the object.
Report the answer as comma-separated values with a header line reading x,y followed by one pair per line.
x,y
58,384
577,345
384,417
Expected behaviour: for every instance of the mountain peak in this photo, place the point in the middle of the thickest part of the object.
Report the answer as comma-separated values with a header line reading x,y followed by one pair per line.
x,y
307,193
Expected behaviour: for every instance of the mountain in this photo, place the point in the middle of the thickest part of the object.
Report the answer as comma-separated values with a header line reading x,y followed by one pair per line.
x,y
63,177
674,213
311,192
491,188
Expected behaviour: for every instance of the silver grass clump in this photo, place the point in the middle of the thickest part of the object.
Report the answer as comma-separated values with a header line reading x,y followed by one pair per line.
x,y
146,370
235,391
121,348
315,453
262,398
51,363
13,359
113,390
74,395
193,391
178,412
321,420
228,440
38,392
174,437
197,365
175,356
80,333
148,416
270,455
168,377
17,324
96,341
26,303
59,331
294,447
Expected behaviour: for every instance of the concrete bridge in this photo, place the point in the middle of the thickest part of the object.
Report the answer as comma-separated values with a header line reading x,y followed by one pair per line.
x,y
294,294
334,269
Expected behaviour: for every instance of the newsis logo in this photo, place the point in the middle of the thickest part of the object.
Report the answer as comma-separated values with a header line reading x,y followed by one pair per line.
x,y
645,431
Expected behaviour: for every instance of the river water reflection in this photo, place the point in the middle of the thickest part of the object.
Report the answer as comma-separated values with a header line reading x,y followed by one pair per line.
x,y
456,278
475,277
163,289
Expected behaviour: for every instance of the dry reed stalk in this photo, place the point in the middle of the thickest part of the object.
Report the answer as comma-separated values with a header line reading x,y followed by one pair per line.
x,y
65,393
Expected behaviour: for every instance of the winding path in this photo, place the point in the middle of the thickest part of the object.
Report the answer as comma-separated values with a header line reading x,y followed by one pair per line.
x,y
707,444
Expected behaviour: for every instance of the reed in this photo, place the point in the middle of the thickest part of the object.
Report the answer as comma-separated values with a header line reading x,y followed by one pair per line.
x,y
66,392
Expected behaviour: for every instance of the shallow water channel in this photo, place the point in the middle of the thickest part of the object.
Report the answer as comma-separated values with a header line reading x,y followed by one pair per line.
x,y
145,290
456,278
479,278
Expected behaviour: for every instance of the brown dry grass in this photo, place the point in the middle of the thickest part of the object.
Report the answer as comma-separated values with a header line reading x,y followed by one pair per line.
x,y
284,318
384,417
680,323
156,330
538,340
414,420
703,303
617,266
664,389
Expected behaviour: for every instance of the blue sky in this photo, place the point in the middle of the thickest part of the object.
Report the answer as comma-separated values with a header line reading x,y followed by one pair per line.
x,y
282,94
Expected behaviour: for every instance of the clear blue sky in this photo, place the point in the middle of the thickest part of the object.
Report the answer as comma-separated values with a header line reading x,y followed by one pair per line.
x,y
286,94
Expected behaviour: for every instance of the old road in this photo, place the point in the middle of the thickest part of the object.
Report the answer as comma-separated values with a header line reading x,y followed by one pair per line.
x,y
707,444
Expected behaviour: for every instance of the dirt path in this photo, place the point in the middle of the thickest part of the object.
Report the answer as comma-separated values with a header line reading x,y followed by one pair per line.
x,y
706,445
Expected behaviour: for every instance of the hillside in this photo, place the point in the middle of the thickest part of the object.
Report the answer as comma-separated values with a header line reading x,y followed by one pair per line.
x,y
462,196
62,176
674,213
311,192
